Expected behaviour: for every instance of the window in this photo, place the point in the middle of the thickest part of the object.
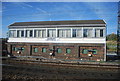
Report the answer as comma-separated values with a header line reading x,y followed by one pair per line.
x,y
43,50
68,50
35,34
22,48
85,32
90,33
64,33
35,50
43,33
74,33
94,51
51,33
84,51
60,33
22,33
27,33
101,32
31,33
18,33
59,50
40,33
12,33
79,33
14,49
68,33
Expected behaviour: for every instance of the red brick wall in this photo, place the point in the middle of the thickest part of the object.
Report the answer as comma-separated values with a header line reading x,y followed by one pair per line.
x,y
76,50
40,53
99,55
22,53
64,55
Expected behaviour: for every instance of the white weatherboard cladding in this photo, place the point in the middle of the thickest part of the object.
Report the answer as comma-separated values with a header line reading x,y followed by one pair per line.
x,y
58,40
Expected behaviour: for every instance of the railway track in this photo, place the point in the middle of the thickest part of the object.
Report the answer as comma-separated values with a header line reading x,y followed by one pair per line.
x,y
65,63
14,68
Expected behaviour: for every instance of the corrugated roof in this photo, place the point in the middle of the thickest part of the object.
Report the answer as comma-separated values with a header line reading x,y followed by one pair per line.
x,y
58,22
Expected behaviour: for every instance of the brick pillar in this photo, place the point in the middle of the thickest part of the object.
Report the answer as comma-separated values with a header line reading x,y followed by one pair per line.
x,y
9,48
77,51
28,51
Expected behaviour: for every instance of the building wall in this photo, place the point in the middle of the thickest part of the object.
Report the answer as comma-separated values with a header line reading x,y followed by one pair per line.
x,y
76,50
73,39
98,56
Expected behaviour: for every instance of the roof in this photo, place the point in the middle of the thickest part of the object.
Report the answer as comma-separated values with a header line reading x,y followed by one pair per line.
x,y
58,22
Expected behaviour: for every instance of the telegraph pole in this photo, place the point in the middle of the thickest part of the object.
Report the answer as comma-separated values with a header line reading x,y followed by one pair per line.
x,y
118,31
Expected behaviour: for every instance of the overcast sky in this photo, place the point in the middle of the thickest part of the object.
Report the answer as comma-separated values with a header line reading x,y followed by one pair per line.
x,y
55,11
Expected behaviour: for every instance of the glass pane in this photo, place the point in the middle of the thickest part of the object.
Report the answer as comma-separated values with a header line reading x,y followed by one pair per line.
x,y
12,33
60,33
34,33
31,33
94,51
14,49
59,50
43,50
54,33
22,33
35,49
85,51
63,33
43,33
51,33
39,33
79,33
18,33
85,32
28,33
22,48
97,32
68,33
101,32
68,50
90,33
74,33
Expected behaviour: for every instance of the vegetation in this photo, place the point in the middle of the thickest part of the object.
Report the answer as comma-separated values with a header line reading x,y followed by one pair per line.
x,y
111,42
111,37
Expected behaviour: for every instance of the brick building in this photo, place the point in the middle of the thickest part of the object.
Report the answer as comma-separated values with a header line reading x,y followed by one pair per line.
x,y
78,39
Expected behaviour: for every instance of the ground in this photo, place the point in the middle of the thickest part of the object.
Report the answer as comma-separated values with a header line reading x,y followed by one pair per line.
x,y
29,70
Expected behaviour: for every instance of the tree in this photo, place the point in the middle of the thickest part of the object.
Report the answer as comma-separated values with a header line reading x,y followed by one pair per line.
x,y
111,37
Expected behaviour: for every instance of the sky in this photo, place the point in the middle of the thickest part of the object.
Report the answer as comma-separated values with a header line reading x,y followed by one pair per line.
x,y
56,11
